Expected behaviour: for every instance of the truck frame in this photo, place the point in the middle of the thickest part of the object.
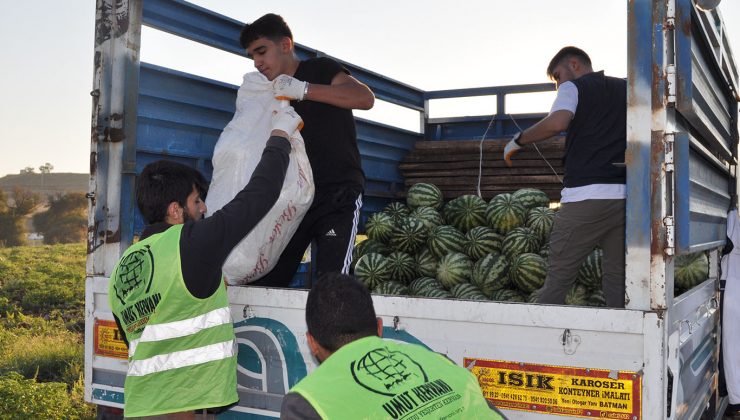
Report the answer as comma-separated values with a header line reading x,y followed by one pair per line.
x,y
655,359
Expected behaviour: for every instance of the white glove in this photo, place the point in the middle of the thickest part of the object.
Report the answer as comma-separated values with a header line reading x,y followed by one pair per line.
x,y
511,148
287,120
289,88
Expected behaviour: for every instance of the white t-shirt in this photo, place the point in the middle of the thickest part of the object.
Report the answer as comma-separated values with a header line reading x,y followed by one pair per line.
x,y
567,99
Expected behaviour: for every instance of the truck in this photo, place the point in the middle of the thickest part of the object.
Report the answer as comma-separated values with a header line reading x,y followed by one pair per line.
x,y
657,358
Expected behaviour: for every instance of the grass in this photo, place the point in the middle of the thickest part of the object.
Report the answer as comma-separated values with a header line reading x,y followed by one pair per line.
x,y
41,332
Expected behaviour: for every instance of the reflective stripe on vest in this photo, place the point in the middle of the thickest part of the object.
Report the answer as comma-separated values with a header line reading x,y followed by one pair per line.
x,y
175,329
182,358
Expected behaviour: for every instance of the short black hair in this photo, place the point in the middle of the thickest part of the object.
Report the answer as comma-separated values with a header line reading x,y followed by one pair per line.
x,y
339,310
165,181
270,26
567,52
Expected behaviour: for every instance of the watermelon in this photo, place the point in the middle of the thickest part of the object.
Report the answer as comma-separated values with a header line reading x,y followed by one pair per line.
x,y
467,291
402,267
491,273
371,270
504,213
534,297
422,283
508,295
453,269
519,241
408,235
596,298
423,194
436,293
379,227
428,216
528,272
366,247
540,219
426,263
391,288
545,251
444,240
590,272
531,198
396,210
481,241
466,212
577,295
691,270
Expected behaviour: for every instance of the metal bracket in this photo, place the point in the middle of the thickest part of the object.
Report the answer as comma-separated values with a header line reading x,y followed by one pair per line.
x,y
670,235
670,79
569,341
668,140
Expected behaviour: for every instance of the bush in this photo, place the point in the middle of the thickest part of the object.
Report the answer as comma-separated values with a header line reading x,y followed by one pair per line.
x,y
65,221
22,398
48,354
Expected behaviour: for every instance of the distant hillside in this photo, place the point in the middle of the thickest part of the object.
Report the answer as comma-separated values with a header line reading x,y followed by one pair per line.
x,y
46,184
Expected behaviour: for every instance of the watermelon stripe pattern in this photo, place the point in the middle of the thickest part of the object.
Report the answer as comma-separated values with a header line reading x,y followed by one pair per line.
x,y
691,270
531,198
491,273
481,241
504,213
402,267
466,212
519,241
444,240
371,270
422,194
528,272
408,235
540,220
391,288
379,227
426,263
454,268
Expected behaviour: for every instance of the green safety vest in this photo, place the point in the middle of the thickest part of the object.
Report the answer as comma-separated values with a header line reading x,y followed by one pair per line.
x,y
182,350
372,378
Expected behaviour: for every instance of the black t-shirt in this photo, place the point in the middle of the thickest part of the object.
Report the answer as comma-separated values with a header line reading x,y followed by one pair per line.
x,y
329,131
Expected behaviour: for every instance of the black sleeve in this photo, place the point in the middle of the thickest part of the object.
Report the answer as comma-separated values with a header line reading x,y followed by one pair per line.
x,y
205,244
295,407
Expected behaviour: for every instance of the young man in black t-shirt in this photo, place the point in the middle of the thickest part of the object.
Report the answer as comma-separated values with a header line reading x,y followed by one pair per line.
x,y
324,94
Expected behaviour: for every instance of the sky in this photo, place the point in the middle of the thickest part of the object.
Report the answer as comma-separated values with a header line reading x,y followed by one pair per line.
x,y
47,57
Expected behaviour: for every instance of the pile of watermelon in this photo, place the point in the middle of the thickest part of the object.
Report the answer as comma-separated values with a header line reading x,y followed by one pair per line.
x,y
466,248
689,271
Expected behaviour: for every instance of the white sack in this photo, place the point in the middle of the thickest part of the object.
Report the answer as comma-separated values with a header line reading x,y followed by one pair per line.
x,y
237,153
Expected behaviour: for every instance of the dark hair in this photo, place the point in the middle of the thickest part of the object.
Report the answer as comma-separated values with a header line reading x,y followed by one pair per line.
x,y
339,310
270,26
567,52
163,182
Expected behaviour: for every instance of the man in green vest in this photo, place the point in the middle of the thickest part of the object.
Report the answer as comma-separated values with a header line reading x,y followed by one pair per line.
x,y
362,376
167,294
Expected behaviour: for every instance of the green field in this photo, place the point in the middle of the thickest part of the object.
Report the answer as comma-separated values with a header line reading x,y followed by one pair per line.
x,y
42,300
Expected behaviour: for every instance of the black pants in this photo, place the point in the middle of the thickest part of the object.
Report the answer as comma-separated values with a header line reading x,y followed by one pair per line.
x,y
331,223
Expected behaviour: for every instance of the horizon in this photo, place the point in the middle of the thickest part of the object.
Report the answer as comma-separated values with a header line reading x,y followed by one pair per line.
x,y
426,44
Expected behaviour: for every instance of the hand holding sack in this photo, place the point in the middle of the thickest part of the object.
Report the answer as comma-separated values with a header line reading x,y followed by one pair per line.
x,y
237,153
289,88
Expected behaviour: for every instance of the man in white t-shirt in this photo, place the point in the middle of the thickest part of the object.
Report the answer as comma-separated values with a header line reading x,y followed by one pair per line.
x,y
592,108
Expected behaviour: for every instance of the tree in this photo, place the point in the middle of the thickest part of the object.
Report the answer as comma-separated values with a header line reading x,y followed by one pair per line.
x,y
28,170
12,228
65,221
46,168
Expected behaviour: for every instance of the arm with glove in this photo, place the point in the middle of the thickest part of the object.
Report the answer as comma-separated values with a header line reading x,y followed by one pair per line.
x,y
344,91
550,126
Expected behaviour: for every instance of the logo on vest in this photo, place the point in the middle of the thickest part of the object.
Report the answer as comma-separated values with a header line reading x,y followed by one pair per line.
x,y
384,372
135,270
395,374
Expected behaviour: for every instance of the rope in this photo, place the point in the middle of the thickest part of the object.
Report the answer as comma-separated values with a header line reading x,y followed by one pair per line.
x,y
480,153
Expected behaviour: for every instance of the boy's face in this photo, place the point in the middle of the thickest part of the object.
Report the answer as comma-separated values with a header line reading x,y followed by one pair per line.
x,y
270,58
195,208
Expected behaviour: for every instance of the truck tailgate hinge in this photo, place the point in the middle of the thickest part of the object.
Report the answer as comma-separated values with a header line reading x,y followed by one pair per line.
x,y
670,80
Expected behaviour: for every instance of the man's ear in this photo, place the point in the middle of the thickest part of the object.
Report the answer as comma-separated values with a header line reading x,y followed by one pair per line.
x,y
380,326
174,213
312,344
286,44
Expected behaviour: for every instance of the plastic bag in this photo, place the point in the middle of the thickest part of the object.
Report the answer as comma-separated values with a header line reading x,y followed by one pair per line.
x,y
237,153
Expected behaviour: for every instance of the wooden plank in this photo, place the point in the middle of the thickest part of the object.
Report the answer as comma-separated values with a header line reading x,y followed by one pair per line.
x,y
515,171
469,164
467,145
487,180
550,155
